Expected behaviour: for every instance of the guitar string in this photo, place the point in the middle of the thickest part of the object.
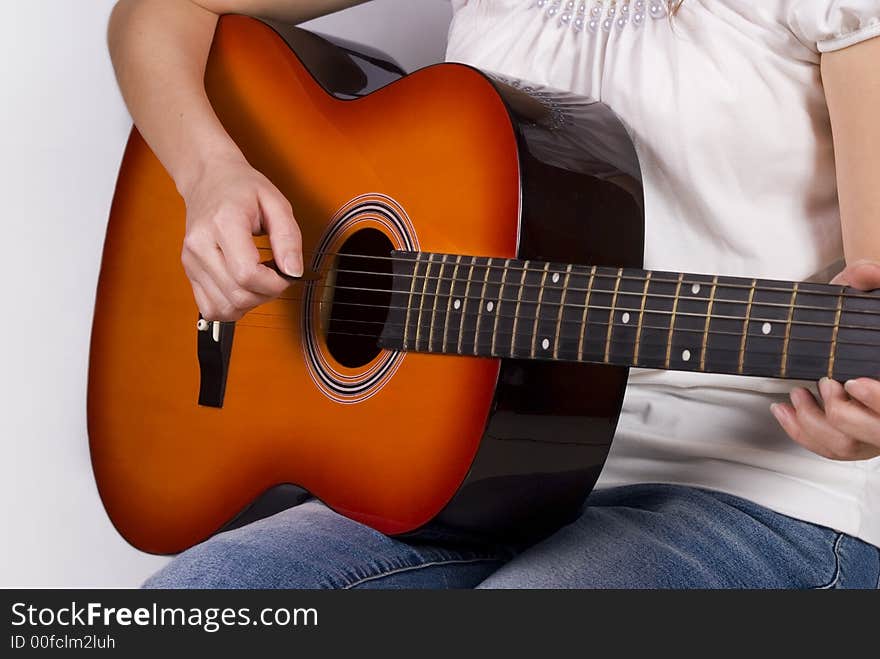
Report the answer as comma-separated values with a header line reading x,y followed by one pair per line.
x,y
604,324
567,290
426,325
591,307
563,268
844,374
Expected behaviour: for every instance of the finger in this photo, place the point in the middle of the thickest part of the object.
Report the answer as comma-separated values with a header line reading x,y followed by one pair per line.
x,y
213,305
284,233
224,286
864,275
866,391
820,435
243,261
847,415
204,304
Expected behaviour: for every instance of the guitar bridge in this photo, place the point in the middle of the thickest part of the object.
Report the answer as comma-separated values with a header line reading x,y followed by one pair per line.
x,y
215,351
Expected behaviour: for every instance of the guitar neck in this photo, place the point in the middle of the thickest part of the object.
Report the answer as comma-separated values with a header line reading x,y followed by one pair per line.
x,y
489,307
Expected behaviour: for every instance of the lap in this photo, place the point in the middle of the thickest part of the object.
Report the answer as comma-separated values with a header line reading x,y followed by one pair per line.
x,y
645,536
312,547
666,536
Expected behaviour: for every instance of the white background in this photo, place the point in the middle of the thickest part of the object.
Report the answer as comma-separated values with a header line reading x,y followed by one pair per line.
x,y
62,131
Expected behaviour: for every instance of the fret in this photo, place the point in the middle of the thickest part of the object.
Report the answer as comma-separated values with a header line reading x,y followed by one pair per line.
x,y
424,295
469,334
482,305
784,367
653,334
727,325
501,308
832,353
641,319
668,359
858,336
766,328
547,327
611,317
450,293
708,323
745,332
561,314
692,312
524,337
569,326
598,316
491,300
409,304
811,333
439,282
584,328
465,299
625,317
543,283
519,297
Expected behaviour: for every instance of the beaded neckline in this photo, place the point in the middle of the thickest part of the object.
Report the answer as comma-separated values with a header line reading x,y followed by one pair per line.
x,y
592,15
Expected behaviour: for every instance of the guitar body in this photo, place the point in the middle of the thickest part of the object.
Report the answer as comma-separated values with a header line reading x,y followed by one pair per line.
x,y
436,161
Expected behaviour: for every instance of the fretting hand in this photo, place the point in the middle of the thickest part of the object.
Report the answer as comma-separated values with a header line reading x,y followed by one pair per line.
x,y
845,423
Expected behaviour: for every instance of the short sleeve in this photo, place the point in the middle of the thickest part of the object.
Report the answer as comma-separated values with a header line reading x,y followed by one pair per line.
x,y
828,25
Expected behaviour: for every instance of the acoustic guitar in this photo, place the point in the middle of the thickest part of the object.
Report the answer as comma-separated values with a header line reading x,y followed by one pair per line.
x,y
459,353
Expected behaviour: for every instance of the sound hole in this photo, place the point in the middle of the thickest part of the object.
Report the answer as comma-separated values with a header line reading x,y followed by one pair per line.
x,y
361,297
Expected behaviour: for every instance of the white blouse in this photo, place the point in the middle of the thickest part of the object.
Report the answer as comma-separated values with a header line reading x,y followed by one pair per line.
x,y
726,108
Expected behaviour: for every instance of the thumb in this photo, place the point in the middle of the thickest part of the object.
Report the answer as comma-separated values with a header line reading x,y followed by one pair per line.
x,y
864,275
284,234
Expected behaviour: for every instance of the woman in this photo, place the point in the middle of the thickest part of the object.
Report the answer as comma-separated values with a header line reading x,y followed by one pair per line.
x,y
739,111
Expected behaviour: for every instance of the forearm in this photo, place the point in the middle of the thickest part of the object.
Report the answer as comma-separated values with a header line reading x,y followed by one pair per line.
x,y
159,50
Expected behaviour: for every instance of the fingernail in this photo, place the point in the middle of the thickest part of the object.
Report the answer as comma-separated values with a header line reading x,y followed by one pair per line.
x,y
778,411
854,388
825,387
293,266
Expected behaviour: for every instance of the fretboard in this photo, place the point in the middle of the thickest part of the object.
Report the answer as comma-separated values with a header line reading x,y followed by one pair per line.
x,y
490,307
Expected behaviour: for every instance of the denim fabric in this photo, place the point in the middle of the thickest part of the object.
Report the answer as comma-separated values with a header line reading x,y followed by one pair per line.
x,y
642,536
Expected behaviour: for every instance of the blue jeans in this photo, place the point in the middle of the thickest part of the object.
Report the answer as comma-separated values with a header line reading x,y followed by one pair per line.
x,y
642,536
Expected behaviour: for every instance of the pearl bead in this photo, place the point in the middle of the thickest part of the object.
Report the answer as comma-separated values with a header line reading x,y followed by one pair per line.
x,y
656,11
565,18
621,22
638,19
606,24
593,25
